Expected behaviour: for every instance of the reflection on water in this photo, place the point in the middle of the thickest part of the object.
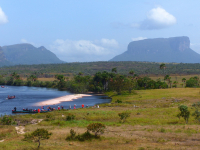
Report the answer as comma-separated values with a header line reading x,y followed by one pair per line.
x,y
26,97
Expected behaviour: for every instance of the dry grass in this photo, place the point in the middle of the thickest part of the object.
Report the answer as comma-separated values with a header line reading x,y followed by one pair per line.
x,y
152,125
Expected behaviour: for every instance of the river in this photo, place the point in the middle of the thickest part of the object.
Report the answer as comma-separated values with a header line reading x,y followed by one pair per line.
x,y
30,97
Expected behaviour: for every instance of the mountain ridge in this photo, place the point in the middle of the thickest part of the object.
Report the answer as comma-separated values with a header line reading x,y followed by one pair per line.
x,y
28,54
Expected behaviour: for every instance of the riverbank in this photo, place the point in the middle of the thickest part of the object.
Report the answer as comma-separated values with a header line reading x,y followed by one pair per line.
x,y
153,124
59,100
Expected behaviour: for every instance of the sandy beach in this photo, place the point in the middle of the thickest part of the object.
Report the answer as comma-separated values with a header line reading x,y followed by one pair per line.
x,y
61,99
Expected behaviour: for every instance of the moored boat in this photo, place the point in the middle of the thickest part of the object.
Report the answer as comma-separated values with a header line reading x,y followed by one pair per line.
x,y
11,97
3,86
27,111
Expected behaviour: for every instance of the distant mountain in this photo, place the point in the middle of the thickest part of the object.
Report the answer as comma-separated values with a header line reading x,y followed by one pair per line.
x,y
28,54
175,49
3,60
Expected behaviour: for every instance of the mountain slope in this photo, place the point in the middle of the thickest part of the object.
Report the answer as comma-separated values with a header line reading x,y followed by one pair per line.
x,y
28,54
3,60
176,49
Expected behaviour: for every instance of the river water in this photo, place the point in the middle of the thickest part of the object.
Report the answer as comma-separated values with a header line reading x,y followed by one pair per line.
x,y
27,97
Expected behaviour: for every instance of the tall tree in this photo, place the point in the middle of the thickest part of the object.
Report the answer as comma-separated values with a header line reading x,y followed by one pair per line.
x,y
163,67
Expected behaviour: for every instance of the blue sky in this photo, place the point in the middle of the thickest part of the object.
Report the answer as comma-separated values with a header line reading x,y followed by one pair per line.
x,y
86,30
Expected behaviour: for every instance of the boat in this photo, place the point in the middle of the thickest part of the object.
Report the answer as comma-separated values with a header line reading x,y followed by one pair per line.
x,y
28,111
3,86
11,97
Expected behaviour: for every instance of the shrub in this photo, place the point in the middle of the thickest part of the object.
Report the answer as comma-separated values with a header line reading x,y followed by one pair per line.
x,y
37,135
97,128
72,135
70,117
118,101
162,130
49,117
196,114
6,120
185,113
123,116
80,137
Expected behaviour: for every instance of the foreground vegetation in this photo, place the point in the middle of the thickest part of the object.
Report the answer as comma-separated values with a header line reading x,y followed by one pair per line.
x,y
153,123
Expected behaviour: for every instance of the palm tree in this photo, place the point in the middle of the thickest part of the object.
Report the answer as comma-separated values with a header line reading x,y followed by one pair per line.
x,y
183,80
163,66
175,83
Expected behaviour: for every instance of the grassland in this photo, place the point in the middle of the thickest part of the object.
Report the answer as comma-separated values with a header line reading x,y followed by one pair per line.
x,y
152,125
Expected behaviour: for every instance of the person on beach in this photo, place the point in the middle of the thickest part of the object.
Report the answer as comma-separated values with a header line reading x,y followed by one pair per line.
x,y
82,105
87,106
97,106
15,108
62,107
38,110
69,106
58,107
74,106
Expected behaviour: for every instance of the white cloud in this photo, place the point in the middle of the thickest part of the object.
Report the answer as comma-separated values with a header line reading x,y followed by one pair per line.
x,y
24,41
109,43
138,38
84,50
157,18
3,17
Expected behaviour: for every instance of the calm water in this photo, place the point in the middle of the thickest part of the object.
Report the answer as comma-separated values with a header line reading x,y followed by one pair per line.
x,y
26,97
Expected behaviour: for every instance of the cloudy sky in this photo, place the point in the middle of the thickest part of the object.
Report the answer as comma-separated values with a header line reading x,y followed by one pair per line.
x,y
86,30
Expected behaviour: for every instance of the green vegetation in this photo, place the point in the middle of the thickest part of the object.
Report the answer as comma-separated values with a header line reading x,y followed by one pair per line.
x,y
90,68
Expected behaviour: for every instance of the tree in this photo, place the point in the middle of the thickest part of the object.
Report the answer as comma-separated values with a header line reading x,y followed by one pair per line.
x,y
175,84
37,135
97,128
183,80
60,77
32,77
163,67
114,70
185,113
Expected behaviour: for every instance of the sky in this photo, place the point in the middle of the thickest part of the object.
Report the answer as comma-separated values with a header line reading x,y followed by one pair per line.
x,y
86,30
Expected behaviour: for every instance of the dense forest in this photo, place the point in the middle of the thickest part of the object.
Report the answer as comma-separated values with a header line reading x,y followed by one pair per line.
x,y
90,68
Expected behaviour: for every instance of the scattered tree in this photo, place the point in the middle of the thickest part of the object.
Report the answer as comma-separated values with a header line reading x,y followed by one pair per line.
x,y
37,135
97,128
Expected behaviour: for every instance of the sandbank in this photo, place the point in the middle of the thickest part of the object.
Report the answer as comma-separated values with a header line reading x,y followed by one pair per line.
x,y
61,99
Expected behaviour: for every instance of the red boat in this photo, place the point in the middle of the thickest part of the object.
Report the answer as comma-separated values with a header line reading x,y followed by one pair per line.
x,y
3,86
11,97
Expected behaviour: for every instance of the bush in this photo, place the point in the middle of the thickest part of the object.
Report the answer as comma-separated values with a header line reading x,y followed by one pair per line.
x,y
185,113
49,117
118,101
123,116
80,137
72,135
6,120
97,128
70,117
